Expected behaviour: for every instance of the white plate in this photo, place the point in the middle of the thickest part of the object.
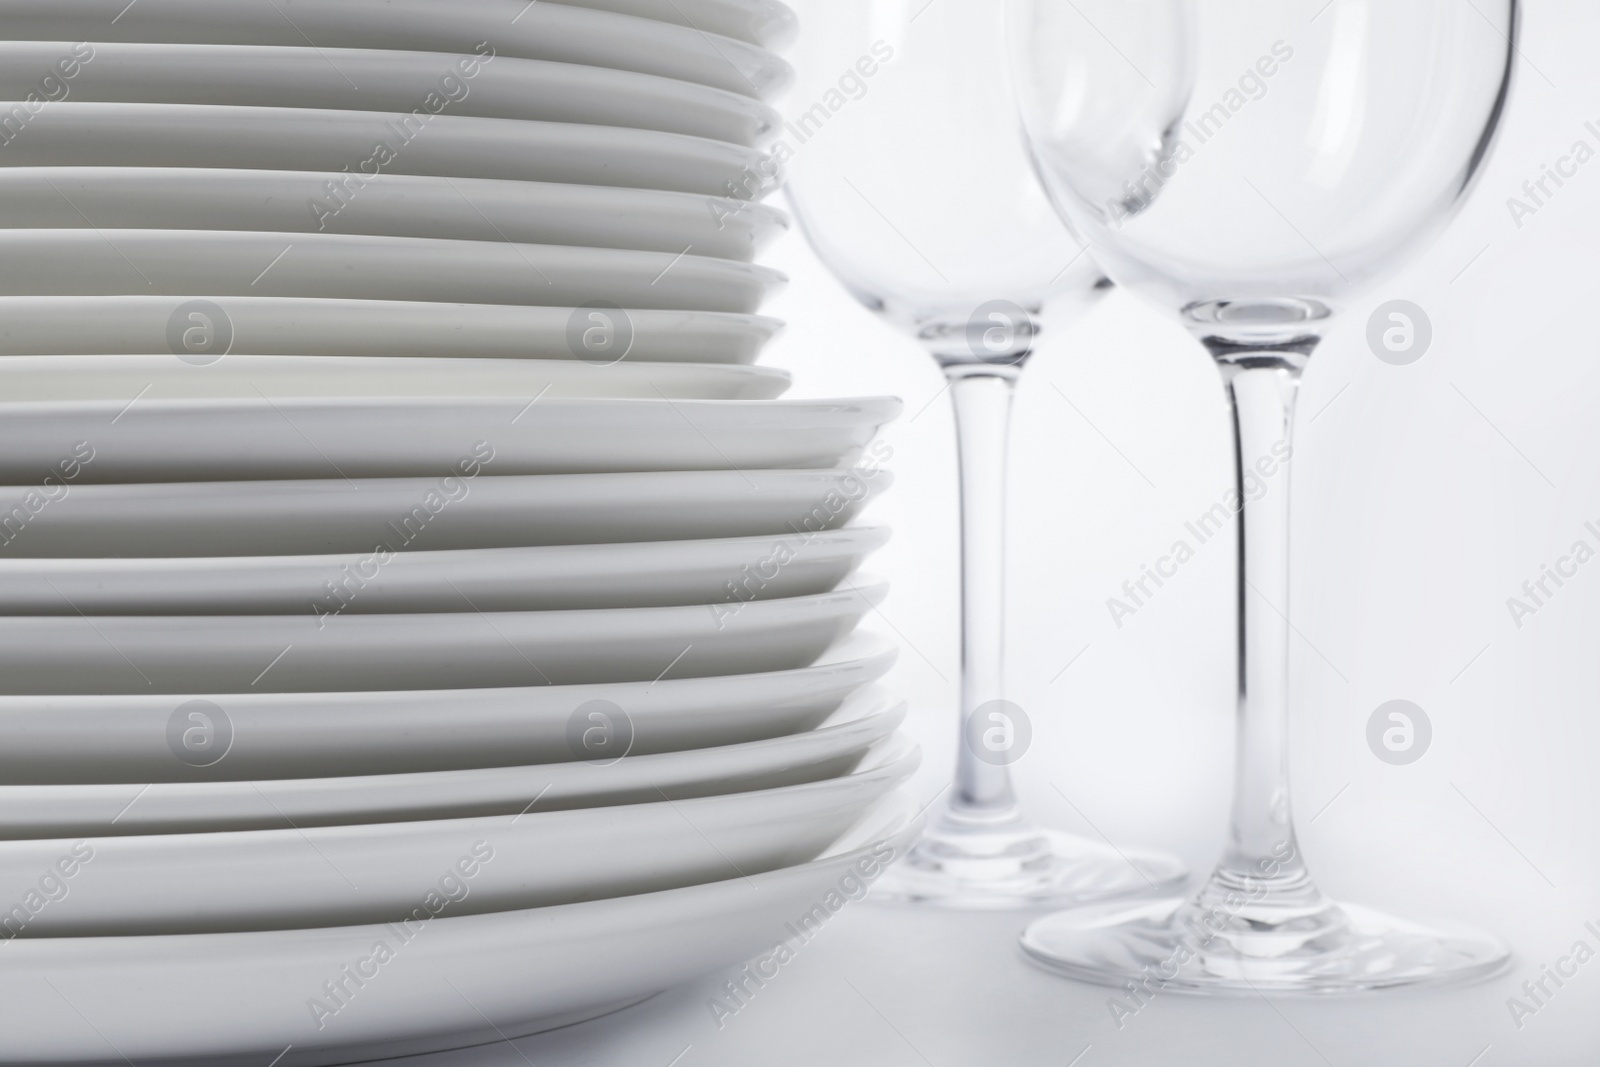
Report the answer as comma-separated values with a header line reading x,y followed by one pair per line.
x,y
135,440
99,262
331,875
290,878
540,578
443,983
56,810
71,134
389,205
765,22
171,377
107,739
114,810
45,654
429,83
378,516
713,44
271,326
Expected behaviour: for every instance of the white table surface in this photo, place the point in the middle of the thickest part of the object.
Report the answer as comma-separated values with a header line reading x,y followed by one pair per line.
x,y
886,987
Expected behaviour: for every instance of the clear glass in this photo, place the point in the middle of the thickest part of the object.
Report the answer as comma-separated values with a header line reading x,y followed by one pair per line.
x,y
910,180
1251,164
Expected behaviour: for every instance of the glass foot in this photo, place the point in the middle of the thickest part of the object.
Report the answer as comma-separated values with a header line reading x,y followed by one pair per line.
x,y
963,862
1207,944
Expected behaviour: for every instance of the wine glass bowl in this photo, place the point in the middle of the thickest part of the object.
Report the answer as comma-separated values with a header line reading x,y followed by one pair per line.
x,y
1250,164
916,191
1272,158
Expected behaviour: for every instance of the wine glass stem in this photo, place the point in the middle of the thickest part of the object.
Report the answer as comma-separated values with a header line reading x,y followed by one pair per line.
x,y
1261,388
982,398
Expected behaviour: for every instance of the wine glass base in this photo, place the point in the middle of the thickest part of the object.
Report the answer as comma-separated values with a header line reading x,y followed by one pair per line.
x,y
1161,945
1019,868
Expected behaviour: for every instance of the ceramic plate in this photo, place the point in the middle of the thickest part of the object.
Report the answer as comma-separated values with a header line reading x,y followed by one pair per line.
x,y
273,326
170,377
286,878
374,873
241,999
107,739
380,517
99,262
390,205
72,134
45,654
539,578
430,83
83,442
715,43
32,812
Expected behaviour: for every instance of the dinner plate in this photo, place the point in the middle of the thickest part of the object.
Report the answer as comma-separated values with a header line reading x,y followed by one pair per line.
x,y
110,810
252,325
329,652
380,517
314,876
81,442
537,578
423,84
717,44
340,994
389,205
108,739
77,809
73,134
100,262
340,872
169,377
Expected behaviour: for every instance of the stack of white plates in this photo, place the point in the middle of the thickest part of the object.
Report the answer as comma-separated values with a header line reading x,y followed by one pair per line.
x,y
419,624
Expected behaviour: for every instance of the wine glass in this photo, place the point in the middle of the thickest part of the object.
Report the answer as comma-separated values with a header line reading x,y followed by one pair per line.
x,y
908,176
1250,164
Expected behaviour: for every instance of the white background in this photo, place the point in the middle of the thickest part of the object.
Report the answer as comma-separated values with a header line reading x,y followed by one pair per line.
x,y
1423,497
